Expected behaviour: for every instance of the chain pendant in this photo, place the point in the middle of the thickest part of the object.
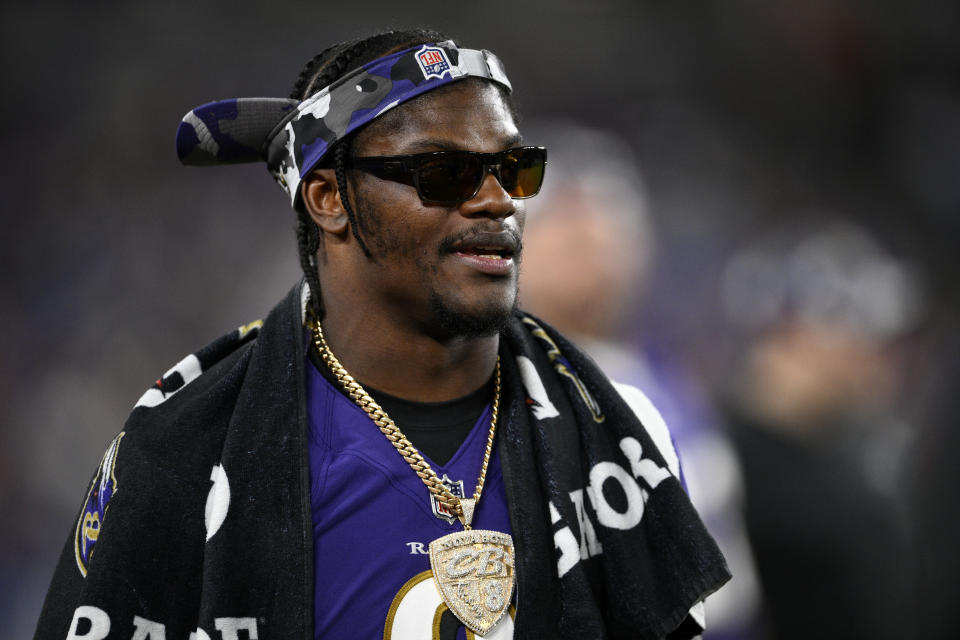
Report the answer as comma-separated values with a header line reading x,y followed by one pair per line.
x,y
473,572
466,508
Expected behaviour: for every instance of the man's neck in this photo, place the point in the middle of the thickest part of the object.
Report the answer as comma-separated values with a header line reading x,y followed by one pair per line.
x,y
408,363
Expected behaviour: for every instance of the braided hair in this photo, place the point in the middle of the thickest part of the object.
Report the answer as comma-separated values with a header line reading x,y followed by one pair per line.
x,y
320,71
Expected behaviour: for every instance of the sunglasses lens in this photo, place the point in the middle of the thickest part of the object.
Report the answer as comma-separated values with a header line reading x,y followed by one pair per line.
x,y
521,172
450,178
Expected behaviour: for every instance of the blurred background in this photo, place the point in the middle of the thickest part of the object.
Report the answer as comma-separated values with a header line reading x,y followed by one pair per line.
x,y
753,209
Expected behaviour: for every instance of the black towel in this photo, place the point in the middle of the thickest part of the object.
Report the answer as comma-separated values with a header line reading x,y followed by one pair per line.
x,y
607,543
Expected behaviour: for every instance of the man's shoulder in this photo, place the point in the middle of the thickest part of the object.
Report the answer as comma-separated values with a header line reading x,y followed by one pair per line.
x,y
185,414
212,372
179,426
652,421
202,368
560,347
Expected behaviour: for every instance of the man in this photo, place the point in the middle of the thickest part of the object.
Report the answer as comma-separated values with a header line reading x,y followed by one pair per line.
x,y
813,420
541,505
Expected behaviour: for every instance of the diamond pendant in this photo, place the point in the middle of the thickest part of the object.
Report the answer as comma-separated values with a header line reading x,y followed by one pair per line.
x,y
473,571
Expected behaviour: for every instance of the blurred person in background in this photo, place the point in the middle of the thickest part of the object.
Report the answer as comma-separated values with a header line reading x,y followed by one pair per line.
x,y
813,420
588,261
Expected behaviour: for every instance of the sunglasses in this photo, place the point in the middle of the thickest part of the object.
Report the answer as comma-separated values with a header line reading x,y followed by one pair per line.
x,y
452,177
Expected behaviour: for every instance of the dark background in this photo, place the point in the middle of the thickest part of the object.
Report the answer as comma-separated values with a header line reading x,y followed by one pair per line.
x,y
746,115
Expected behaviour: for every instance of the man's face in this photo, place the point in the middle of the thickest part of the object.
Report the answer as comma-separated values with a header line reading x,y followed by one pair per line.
x,y
449,270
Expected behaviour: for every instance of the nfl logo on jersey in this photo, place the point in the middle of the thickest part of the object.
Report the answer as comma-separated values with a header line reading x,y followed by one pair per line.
x,y
456,488
433,62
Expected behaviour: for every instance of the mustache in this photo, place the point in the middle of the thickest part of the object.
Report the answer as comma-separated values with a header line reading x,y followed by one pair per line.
x,y
483,234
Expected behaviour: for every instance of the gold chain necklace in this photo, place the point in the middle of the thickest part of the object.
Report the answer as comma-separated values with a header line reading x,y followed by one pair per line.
x,y
472,569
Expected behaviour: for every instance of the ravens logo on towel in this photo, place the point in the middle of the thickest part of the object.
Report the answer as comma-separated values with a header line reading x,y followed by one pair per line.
x,y
94,510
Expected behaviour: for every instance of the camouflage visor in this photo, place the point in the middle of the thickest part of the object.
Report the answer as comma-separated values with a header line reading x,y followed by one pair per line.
x,y
293,136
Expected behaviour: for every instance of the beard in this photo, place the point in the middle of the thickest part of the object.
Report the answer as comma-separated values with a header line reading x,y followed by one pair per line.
x,y
458,323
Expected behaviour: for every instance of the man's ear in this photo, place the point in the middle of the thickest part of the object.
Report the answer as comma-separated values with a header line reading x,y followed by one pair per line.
x,y
321,197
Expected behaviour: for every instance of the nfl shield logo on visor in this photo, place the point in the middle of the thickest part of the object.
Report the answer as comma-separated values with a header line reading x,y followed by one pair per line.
x,y
433,62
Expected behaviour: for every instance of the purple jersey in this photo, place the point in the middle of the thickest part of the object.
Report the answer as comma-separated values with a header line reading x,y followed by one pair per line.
x,y
373,521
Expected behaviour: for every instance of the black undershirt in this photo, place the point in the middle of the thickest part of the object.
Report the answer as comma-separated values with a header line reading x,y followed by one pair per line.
x,y
436,429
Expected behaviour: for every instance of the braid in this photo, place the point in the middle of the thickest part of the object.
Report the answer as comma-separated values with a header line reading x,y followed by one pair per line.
x,y
320,71
340,161
308,243
307,74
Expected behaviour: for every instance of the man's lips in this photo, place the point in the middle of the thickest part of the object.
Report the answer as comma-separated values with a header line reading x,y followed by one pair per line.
x,y
490,264
504,243
489,252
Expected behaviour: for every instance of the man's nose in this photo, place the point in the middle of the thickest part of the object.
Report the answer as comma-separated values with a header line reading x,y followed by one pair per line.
x,y
492,199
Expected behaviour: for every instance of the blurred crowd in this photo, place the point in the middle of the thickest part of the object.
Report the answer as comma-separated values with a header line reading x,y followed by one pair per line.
x,y
798,453
751,212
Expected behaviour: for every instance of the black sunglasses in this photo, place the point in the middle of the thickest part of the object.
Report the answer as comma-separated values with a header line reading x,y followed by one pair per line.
x,y
452,177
